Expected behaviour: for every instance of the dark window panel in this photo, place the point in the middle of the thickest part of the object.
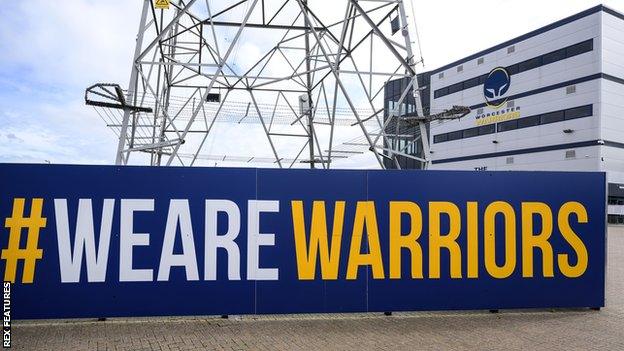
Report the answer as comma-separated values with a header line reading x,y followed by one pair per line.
x,y
551,117
471,132
455,88
441,92
397,87
440,138
404,83
488,129
482,79
410,98
400,85
455,135
580,48
507,125
513,69
554,56
530,121
530,64
471,83
578,112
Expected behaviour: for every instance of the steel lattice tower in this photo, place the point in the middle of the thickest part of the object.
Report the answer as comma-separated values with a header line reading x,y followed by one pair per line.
x,y
320,68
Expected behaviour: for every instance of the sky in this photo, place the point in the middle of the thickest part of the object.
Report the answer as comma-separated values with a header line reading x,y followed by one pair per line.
x,y
51,51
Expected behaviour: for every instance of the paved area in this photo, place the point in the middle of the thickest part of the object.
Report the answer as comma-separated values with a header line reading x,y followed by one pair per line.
x,y
507,330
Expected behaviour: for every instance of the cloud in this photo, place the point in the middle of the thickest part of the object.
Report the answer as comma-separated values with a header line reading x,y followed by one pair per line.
x,y
59,133
51,51
13,137
71,43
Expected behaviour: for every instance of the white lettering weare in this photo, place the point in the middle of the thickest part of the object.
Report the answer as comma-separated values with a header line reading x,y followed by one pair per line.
x,y
128,239
256,239
225,241
84,240
179,213
222,226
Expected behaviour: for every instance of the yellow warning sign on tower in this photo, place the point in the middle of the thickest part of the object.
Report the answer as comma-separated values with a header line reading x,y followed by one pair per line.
x,y
162,4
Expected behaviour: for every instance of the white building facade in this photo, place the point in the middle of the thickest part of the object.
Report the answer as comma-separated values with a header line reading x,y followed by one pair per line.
x,y
552,99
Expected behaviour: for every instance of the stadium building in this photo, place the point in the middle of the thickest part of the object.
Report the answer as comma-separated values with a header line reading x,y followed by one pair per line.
x,y
552,99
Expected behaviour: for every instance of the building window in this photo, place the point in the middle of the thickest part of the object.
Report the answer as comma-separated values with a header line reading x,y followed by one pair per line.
x,y
507,125
440,92
511,49
554,56
513,69
471,132
552,117
455,88
480,61
571,89
440,138
455,135
530,64
578,112
580,48
460,68
615,200
530,121
525,122
616,219
471,83
440,75
509,160
411,108
488,129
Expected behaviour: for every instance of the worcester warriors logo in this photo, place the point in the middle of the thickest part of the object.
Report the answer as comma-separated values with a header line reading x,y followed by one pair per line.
x,y
496,86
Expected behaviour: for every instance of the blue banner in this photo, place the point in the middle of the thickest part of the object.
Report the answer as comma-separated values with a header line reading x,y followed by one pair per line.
x,y
105,241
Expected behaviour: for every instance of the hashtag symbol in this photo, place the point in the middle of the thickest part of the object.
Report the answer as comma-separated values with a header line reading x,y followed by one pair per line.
x,y
13,253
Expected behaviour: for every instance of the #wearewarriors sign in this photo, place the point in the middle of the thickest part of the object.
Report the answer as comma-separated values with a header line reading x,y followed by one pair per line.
x,y
102,241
